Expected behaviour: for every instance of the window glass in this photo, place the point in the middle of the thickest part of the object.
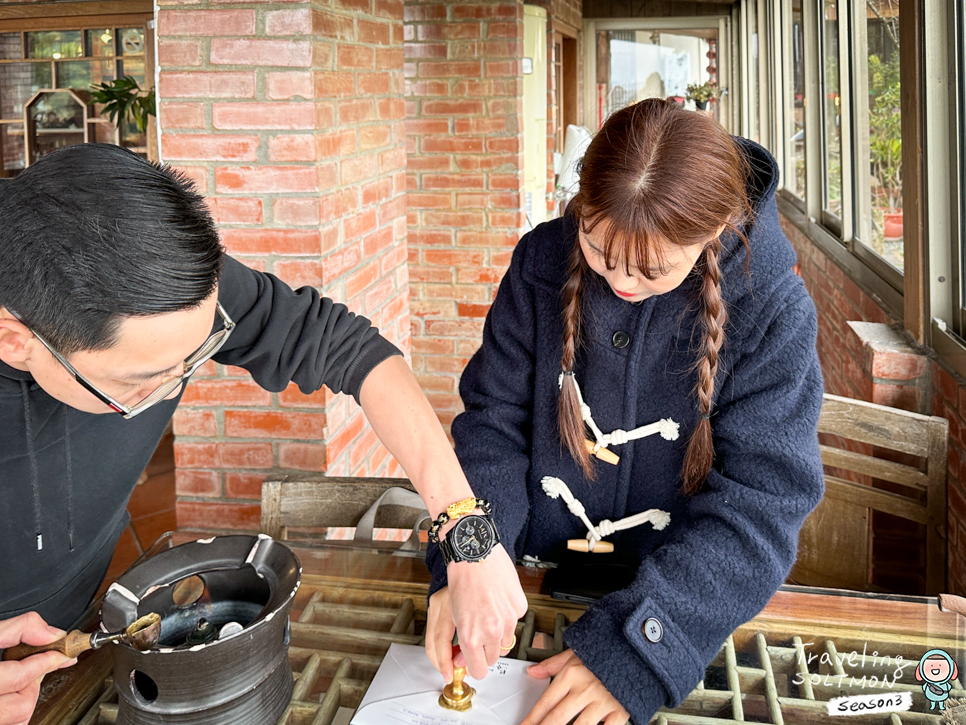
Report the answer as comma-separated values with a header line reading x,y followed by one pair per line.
x,y
10,46
885,130
100,43
55,44
795,114
80,74
636,64
831,117
754,102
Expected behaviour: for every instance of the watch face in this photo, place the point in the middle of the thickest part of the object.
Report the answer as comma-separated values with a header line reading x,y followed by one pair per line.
x,y
472,538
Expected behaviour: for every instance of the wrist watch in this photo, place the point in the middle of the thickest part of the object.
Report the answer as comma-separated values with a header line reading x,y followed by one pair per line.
x,y
472,539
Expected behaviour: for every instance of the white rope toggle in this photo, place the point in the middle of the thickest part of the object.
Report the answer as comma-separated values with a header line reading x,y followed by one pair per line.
x,y
556,488
667,428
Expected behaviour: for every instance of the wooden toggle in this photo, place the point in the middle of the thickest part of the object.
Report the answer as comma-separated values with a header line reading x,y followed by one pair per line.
x,y
601,547
604,454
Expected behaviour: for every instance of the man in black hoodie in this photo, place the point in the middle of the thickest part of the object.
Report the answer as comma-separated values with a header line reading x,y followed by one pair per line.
x,y
114,288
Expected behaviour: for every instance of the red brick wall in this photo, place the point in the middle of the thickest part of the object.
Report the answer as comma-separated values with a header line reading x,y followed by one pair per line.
x,y
902,380
464,174
290,119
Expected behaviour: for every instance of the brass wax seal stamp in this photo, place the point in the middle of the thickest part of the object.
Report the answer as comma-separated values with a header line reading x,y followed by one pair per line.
x,y
456,695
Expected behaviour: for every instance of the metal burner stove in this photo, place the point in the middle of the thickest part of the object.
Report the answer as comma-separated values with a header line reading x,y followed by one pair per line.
x,y
352,605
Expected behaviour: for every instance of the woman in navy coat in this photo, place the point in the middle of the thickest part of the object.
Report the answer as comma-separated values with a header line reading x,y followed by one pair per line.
x,y
665,293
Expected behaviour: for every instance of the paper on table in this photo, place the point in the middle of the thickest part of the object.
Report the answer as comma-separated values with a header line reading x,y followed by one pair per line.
x,y
406,691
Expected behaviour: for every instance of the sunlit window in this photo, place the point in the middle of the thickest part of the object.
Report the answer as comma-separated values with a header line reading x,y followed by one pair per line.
x,y
34,63
832,106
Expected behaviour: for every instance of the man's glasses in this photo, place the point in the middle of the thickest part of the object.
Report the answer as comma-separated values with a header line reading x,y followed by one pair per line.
x,y
198,358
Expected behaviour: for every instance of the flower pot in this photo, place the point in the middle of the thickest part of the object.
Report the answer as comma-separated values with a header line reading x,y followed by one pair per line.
x,y
892,225
701,105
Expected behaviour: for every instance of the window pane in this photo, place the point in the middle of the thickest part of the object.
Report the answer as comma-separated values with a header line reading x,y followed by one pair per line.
x,y
636,64
19,81
754,81
885,130
100,43
10,46
11,144
133,67
130,41
795,116
55,44
831,116
80,74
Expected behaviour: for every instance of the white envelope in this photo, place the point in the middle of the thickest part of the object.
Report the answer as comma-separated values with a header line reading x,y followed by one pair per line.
x,y
406,690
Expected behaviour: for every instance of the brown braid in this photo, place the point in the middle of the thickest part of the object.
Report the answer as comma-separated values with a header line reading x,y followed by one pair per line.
x,y
572,433
700,453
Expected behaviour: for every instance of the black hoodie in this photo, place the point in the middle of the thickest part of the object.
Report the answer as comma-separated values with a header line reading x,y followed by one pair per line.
x,y
66,476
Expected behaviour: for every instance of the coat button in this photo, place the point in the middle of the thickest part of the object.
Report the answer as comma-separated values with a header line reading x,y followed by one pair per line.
x,y
653,630
621,339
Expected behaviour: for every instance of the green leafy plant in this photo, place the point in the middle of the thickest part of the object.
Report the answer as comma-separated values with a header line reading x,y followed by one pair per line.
x,y
885,128
703,92
124,99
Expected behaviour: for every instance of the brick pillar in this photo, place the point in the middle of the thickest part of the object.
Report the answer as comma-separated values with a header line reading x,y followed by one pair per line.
x,y
465,177
290,119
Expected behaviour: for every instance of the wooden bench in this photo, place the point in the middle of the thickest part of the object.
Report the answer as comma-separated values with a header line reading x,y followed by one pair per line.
x,y
877,459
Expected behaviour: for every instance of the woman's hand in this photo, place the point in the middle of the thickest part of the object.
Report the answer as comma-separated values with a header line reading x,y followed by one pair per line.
x,y
486,600
20,681
574,689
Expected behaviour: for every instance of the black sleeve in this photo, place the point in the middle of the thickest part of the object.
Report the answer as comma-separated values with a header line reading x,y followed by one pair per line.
x,y
285,335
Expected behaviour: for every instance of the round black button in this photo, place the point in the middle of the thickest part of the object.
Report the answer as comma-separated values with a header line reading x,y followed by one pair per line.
x,y
621,339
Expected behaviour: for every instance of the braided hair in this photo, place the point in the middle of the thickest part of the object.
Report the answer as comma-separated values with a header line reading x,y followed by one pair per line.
x,y
656,174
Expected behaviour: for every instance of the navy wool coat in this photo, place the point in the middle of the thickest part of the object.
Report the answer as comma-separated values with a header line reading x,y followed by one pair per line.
x,y
727,548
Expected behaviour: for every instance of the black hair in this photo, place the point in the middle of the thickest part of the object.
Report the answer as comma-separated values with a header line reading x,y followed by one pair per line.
x,y
93,233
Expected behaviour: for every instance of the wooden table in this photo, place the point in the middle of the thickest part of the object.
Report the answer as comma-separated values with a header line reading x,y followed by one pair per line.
x,y
806,647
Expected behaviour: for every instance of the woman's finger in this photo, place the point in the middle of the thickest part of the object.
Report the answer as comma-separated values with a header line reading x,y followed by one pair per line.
x,y
564,710
550,666
618,717
592,714
557,691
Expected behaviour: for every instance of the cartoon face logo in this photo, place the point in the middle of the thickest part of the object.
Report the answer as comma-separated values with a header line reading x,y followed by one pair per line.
x,y
935,671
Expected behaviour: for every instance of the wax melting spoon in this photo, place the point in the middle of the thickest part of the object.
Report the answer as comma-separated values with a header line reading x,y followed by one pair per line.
x,y
143,634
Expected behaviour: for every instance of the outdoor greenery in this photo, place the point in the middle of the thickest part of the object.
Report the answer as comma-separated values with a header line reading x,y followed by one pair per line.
x,y
885,129
703,92
124,99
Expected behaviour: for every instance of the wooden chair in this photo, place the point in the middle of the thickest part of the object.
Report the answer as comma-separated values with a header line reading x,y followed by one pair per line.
x,y
877,459
314,503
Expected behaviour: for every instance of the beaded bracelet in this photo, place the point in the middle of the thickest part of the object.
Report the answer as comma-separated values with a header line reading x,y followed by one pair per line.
x,y
459,509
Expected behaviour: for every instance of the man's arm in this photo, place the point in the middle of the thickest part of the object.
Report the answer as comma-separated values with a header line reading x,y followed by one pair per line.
x,y
405,422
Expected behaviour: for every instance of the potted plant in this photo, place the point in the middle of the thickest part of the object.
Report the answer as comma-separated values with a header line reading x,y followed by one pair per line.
x,y
125,101
885,140
701,93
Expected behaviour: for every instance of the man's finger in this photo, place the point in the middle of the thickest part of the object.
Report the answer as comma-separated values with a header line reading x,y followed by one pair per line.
x,y
17,707
475,660
16,676
29,628
617,718
444,649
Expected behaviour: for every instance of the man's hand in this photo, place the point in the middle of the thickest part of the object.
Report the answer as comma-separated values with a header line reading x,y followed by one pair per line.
x,y
439,633
20,681
574,690
486,600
